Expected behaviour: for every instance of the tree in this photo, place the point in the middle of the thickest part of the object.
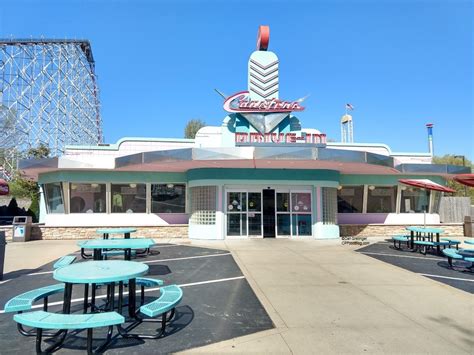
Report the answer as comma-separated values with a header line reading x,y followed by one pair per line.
x,y
192,127
452,159
21,187
41,151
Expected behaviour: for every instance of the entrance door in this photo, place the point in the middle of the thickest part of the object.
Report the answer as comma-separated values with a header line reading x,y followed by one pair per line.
x,y
269,213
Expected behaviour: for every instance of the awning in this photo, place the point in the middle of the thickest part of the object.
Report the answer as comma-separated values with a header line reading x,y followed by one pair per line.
x,y
426,184
4,189
465,179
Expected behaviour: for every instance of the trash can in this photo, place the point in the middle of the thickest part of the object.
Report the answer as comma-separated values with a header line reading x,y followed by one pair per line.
x,y
468,230
3,243
21,228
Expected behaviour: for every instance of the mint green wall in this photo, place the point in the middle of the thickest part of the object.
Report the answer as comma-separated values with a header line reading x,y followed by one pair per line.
x,y
233,174
385,179
111,176
262,174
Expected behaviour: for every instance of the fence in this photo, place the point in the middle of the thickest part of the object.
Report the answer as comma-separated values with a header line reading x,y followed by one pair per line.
x,y
453,209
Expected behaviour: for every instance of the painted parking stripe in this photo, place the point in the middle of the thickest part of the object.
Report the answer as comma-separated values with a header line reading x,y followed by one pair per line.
x,y
447,277
75,300
146,262
401,256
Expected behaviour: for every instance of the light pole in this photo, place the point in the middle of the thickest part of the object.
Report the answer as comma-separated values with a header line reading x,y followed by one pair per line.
x,y
463,164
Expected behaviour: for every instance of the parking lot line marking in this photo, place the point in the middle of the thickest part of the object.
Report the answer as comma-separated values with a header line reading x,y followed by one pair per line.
x,y
185,258
41,273
400,256
2,282
75,300
212,281
146,262
447,277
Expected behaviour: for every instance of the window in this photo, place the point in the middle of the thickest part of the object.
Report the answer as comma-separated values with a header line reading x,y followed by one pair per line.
x,y
381,199
436,201
87,198
203,205
301,202
128,198
329,201
350,199
54,197
168,198
414,200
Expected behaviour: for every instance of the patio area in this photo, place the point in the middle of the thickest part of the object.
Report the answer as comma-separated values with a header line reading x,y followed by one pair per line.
x,y
320,296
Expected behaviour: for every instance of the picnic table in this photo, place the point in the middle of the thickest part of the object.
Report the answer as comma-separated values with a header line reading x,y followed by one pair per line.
x,y
469,241
126,244
94,273
107,231
425,232
101,272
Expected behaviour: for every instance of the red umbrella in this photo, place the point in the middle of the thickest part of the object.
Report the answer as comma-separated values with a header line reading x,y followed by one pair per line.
x,y
4,189
465,179
426,184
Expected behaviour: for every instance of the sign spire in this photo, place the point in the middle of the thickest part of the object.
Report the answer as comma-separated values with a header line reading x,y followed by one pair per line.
x,y
263,38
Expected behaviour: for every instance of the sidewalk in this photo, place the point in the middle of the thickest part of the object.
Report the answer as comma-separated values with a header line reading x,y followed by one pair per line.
x,y
324,298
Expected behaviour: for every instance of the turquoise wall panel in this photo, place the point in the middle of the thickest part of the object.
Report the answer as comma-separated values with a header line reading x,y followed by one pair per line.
x,y
262,174
111,176
385,179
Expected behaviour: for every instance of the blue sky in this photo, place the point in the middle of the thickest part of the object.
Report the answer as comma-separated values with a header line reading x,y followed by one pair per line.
x,y
401,63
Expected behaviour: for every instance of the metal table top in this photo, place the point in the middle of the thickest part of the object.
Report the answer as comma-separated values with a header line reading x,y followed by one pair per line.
x,y
133,243
425,230
100,271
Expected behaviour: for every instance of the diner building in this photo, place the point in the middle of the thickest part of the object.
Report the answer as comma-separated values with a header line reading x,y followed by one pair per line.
x,y
258,174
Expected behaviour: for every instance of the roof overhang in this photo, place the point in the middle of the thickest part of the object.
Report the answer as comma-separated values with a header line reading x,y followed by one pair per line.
x,y
279,157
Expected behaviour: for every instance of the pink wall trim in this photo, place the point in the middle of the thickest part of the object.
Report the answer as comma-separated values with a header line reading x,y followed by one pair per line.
x,y
361,218
174,218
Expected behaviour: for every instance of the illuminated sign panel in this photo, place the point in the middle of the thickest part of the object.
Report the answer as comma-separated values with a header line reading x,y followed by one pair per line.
x,y
318,139
242,103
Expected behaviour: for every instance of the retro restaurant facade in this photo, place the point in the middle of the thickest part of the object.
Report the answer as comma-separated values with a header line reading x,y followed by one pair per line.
x,y
259,174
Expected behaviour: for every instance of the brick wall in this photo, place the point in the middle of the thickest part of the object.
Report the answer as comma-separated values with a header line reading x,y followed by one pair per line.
x,y
42,232
383,230
181,231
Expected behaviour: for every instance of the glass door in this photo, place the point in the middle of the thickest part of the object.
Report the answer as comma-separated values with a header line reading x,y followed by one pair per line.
x,y
244,213
293,213
254,214
283,216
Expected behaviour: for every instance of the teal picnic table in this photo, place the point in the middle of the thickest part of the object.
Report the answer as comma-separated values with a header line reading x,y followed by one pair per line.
x,y
469,242
101,272
425,232
126,244
107,231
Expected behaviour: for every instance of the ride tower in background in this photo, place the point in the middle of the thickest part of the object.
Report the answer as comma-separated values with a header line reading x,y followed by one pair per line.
x,y
48,96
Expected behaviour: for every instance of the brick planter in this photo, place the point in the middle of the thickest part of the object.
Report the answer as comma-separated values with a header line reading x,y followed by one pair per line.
x,y
386,230
39,232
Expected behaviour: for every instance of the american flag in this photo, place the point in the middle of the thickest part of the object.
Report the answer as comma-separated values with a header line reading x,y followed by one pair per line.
x,y
349,107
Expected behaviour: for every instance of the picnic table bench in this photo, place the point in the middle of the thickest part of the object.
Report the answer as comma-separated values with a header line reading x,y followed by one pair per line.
x,y
424,245
170,296
63,261
25,301
400,239
45,320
